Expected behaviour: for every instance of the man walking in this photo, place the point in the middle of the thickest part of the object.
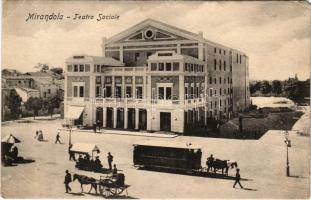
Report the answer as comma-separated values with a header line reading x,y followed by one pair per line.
x,y
237,178
67,181
71,154
110,159
57,138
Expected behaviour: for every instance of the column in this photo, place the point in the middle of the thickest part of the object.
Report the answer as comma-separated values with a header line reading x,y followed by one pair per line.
x,y
136,118
104,117
148,120
134,87
149,89
113,86
125,118
144,87
178,49
121,53
114,117
123,87
181,89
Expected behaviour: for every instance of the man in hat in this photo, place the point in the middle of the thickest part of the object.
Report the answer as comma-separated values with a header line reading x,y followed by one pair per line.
x,y
67,181
110,159
237,178
58,138
71,153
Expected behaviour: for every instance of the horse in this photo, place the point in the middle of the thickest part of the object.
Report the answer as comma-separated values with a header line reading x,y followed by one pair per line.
x,y
84,180
222,165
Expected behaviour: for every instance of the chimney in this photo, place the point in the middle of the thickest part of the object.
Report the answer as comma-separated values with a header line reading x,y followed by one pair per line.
x,y
201,34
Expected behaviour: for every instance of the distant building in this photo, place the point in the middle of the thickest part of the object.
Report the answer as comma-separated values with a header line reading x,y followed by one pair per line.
x,y
156,77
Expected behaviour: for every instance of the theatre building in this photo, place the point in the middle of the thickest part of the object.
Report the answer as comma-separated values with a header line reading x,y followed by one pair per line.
x,y
156,77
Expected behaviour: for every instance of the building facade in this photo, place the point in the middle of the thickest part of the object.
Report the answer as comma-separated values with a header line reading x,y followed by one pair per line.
x,y
156,77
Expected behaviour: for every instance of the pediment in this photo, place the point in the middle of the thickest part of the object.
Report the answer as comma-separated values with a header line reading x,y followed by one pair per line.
x,y
151,30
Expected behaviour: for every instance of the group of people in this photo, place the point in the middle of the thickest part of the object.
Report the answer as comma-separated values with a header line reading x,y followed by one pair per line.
x,y
85,161
10,156
39,135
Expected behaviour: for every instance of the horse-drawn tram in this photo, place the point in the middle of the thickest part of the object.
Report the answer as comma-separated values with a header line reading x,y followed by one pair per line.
x,y
167,155
177,156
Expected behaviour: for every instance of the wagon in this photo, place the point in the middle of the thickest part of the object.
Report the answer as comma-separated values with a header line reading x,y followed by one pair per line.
x,y
112,185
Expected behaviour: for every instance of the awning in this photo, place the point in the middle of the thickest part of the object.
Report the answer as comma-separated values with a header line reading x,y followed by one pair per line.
x,y
84,148
74,112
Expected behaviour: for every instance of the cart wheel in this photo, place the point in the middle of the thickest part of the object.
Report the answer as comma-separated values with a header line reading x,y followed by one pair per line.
x,y
116,190
104,191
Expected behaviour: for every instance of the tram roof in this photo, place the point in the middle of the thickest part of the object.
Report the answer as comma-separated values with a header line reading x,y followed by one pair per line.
x,y
177,145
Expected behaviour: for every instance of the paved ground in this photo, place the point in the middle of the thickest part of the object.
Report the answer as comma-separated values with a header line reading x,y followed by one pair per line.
x,y
262,163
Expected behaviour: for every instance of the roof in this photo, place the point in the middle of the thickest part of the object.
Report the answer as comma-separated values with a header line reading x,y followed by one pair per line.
x,y
161,25
95,59
173,56
43,80
84,148
157,143
27,89
39,74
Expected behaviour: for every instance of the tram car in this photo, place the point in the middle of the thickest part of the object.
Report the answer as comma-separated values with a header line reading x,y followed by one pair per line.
x,y
167,155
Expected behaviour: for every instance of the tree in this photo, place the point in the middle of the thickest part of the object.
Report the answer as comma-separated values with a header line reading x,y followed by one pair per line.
x,y
265,87
293,89
51,103
14,102
42,67
34,104
276,87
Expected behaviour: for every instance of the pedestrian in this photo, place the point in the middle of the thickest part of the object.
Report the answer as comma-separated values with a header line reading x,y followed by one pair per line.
x,y
110,159
67,181
98,125
37,135
71,154
94,127
237,178
58,138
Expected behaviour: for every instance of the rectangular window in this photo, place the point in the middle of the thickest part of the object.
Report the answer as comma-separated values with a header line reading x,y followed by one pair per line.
x,y
220,91
81,91
219,65
191,67
168,94
137,54
219,80
75,91
76,68
230,68
211,92
225,65
102,68
161,93
215,81
224,52
168,66
215,64
237,58
186,92
215,92
175,66
219,51
210,80
108,92
97,68
224,80
220,102
161,66
118,91
128,91
69,68
87,67
215,50
81,68
98,88
49,91
98,79
191,93
139,92
153,66
240,59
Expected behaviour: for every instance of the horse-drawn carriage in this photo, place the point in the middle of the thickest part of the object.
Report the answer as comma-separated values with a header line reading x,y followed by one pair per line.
x,y
176,156
86,159
110,185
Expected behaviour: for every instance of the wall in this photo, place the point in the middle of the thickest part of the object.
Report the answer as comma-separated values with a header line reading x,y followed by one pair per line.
x,y
85,79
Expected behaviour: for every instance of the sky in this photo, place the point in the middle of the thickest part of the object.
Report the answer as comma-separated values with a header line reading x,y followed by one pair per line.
x,y
274,35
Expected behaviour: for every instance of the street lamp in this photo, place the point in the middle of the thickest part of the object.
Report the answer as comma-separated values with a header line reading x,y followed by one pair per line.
x,y
288,144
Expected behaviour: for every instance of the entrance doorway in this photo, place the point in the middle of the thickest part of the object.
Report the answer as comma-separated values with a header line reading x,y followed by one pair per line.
x,y
99,116
131,118
110,117
142,119
120,118
165,121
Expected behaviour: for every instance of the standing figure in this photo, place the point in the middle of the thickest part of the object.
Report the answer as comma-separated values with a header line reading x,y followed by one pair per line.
x,y
67,181
57,138
110,159
40,136
98,125
114,171
71,154
237,178
37,135
94,127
